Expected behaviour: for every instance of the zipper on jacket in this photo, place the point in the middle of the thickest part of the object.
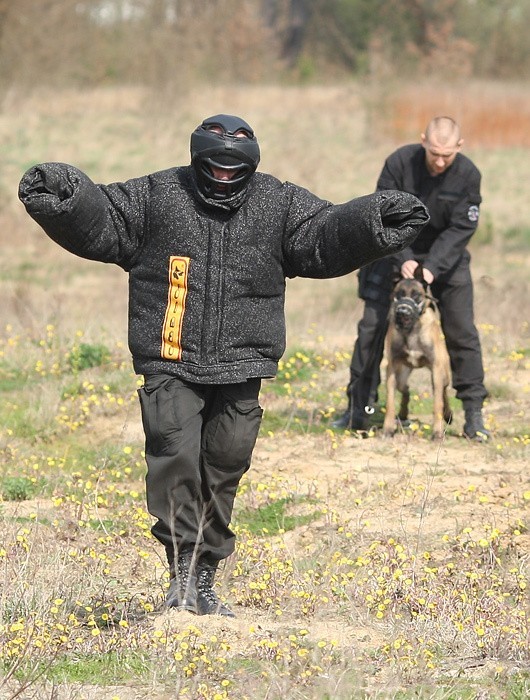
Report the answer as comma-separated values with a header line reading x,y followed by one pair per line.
x,y
212,310
220,291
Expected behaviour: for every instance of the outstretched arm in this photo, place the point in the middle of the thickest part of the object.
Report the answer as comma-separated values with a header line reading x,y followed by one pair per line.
x,y
342,238
92,221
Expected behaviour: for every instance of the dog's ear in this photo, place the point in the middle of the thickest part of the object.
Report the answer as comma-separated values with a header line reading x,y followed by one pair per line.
x,y
418,273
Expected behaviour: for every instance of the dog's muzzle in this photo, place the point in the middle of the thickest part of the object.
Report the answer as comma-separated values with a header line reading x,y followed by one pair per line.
x,y
407,312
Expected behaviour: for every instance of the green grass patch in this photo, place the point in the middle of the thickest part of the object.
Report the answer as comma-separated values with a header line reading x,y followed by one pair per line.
x,y
18,488
517,238
460,691
104,380
497,390
517,687
12,379
251,668
84,458
86,355
485,233
26,520
103,669
274,518
298,421
420,404
15,419
298,367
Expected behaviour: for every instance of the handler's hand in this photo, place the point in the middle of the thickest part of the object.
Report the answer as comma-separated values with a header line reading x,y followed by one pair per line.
x,y
428,276
408,268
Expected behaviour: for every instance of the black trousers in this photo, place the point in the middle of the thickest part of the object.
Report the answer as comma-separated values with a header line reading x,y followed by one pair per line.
x,y
198,444
454,292
362,388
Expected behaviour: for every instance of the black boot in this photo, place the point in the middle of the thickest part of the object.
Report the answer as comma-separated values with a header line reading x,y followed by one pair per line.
x,y
351,420
474,425
207,601
182,593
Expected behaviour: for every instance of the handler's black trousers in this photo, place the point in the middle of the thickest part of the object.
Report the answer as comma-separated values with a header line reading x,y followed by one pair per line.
x,y
374,317
454,292
199,442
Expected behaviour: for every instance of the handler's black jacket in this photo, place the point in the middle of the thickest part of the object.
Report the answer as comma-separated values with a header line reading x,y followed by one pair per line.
x,y
206,279
452,198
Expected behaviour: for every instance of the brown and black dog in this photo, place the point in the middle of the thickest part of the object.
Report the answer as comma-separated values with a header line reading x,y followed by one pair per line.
x,y
414,339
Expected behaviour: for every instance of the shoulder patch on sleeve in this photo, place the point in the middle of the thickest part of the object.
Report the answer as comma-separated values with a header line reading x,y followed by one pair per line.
x,y
473,213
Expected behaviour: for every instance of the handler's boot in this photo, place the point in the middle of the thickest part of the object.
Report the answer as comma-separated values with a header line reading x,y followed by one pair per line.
x,y
182,593
351,420
474,425
207,601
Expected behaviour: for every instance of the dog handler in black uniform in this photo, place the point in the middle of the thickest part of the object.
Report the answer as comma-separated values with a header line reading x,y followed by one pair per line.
x,y
208,248
448,183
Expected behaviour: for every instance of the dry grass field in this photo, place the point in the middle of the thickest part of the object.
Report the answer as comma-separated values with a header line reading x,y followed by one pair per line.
x,y
365,567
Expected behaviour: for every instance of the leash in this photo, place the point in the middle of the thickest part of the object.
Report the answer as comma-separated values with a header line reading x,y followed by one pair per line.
x,y
433,300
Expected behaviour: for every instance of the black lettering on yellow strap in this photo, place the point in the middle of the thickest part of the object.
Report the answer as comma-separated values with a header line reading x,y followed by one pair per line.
x,y
176,305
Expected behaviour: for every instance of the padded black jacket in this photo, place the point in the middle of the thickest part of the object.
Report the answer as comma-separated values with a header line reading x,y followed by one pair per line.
x,y
206,279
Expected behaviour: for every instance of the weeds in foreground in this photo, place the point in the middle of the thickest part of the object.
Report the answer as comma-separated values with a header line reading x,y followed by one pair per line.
x,y
342,592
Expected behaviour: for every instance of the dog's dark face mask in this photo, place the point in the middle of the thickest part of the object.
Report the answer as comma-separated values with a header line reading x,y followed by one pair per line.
x,y
408,304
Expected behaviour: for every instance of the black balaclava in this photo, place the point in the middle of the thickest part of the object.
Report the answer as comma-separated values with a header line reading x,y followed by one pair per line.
x,y
239,154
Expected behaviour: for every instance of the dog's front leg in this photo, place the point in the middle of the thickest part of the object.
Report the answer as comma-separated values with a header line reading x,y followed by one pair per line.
x,y
439,400
402,383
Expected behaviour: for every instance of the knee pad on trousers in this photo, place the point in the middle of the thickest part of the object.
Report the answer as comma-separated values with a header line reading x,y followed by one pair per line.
x,y
233,434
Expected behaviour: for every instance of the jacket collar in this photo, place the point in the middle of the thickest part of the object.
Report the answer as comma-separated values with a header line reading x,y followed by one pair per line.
x,y
227,205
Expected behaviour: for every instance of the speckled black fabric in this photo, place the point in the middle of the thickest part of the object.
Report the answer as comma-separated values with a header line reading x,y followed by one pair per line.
x,y
240,254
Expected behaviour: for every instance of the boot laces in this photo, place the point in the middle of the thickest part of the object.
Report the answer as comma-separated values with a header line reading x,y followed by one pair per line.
x,y
184,574
204,585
